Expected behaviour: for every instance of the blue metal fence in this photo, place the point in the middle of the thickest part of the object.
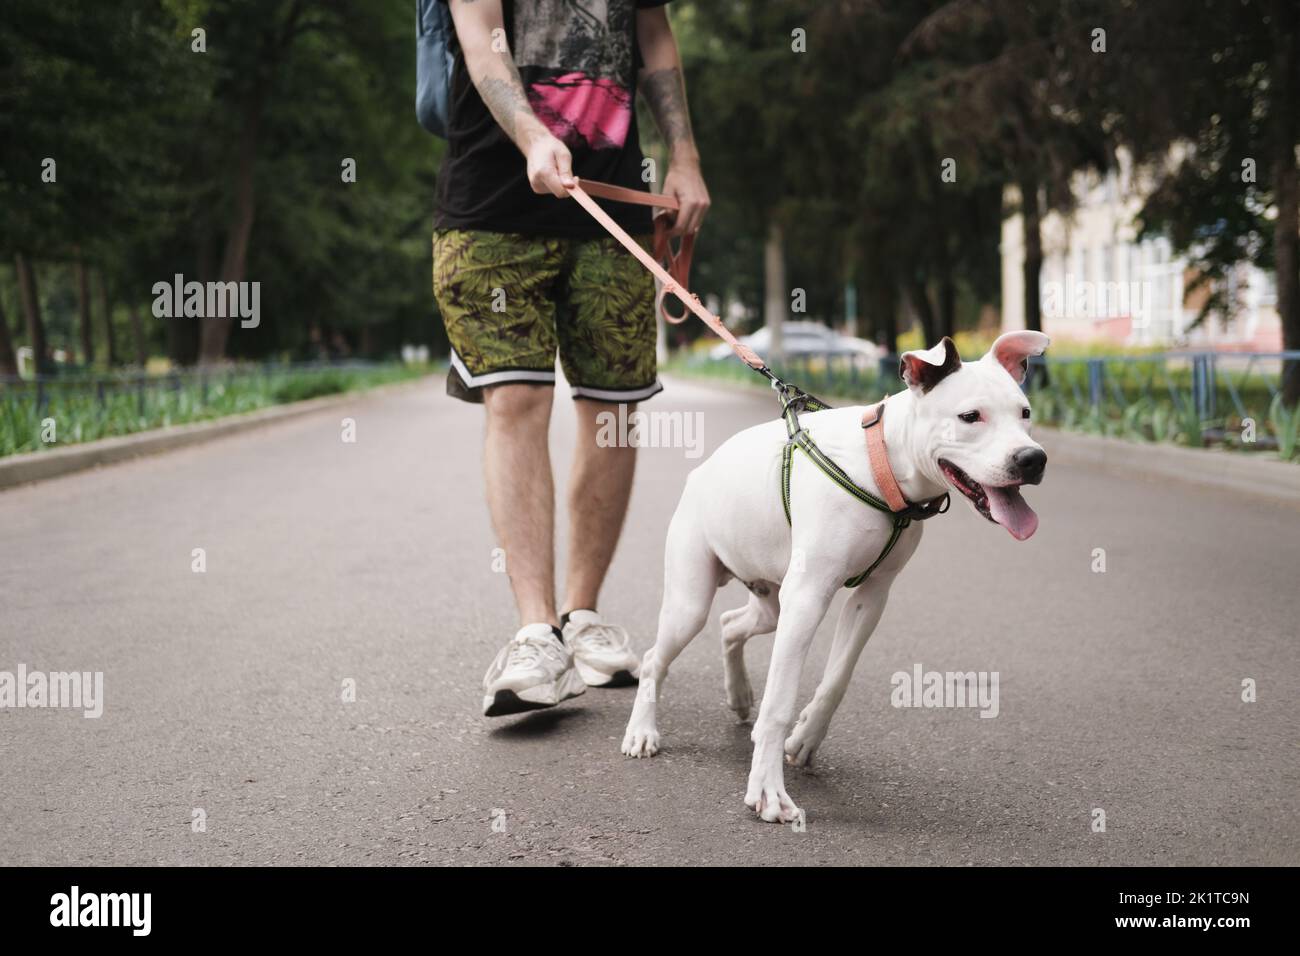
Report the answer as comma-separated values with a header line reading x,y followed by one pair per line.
x,y
1213,385
1193,397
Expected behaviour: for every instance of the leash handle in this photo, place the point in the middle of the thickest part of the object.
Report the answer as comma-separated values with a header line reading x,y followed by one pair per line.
x,y
671,284
637,197
678,259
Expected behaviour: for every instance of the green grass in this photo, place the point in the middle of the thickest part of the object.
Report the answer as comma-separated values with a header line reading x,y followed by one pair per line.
x,y
81,414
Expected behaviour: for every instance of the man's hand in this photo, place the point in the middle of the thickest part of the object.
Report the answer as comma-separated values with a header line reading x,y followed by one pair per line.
x,y
685,184
664,90
550,165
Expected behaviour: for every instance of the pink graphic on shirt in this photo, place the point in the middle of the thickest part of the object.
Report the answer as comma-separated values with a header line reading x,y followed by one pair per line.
x,y
581,111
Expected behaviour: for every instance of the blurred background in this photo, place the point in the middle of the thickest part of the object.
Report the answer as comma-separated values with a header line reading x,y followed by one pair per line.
x,y
1122,175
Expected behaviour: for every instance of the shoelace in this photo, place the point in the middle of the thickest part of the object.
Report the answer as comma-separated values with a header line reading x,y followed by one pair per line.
x,y
603,635
523,653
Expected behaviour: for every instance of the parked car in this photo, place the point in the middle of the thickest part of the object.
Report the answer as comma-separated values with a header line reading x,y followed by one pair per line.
x,y
805,338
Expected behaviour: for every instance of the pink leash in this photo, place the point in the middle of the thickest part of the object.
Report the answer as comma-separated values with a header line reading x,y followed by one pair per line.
x,y
674,278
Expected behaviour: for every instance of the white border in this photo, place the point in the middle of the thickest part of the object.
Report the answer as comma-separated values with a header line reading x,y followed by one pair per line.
x,y
495,378
616,395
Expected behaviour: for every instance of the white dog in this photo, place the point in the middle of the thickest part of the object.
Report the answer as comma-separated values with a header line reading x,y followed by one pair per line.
x,y
963,426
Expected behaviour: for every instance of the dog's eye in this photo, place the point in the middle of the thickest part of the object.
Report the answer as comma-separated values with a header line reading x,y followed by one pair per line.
x,y
970,418
1024,413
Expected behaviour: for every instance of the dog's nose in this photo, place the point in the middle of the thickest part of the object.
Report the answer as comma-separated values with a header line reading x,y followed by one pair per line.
x,y
1030,463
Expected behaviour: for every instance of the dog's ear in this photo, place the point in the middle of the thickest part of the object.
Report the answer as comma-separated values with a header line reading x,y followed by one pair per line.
x,y
924,369
1012,351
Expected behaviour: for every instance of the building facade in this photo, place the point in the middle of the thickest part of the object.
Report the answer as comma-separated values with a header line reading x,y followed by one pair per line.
x,y
1100,284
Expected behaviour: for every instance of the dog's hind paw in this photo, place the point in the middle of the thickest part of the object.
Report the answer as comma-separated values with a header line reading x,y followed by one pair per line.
x,y
741,704
641,743
740,695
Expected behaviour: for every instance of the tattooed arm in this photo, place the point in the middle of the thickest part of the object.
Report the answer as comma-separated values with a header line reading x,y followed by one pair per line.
x,y
480,27
664,91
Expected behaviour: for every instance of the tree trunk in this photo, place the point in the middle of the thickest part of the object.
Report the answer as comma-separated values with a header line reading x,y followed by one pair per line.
x,y
947,306
1285,84
110,340
275,47
182,332
1033,241
921,305
137,333
945,291
31,304
8,360
177,345
216,329
887,316
776,306
853,320
1033,266
83,312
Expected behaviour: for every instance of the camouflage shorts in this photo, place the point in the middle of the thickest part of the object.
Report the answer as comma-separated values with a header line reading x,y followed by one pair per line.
x,y
510,302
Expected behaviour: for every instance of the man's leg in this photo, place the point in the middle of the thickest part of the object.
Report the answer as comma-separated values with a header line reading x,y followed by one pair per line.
x,y
507,356
605,321
535,669
599,489
521,493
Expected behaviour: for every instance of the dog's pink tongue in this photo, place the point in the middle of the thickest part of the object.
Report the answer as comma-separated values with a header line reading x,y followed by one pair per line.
x,y
1010,510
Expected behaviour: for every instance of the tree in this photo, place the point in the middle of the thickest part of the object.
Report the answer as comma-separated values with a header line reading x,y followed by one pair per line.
x,y
844,153
750,79
217,156
8,360
1221,79
106,310
31,305
297,89
83,312
1016,90
79,172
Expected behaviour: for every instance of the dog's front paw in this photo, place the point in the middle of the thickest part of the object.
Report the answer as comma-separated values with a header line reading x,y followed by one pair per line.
x,y
769,800
641,743
801,746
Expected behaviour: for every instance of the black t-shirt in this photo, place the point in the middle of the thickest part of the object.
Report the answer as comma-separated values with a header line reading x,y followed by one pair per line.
x,y
578,60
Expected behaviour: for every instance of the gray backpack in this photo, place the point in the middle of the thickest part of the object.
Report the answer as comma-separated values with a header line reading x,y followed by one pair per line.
x,y
433,62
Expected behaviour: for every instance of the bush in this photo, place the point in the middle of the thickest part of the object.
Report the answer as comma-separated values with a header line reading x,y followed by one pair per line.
x,y
309,386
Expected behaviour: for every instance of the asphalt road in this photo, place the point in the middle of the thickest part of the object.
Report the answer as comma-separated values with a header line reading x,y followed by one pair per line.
x,y
372,561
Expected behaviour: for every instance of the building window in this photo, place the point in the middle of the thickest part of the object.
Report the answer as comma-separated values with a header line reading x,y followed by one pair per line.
x,y
1267,285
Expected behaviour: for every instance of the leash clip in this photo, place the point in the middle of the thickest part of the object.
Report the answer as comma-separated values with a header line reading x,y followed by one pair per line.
x,y
920,511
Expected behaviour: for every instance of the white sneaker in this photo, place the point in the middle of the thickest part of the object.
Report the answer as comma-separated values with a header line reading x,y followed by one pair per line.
x,y
602,652
534,670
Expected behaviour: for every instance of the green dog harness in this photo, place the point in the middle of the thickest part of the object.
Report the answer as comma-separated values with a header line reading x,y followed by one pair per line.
x,y
793,401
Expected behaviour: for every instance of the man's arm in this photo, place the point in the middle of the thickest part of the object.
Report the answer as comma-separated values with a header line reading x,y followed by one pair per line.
x,y
665,92
481,29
